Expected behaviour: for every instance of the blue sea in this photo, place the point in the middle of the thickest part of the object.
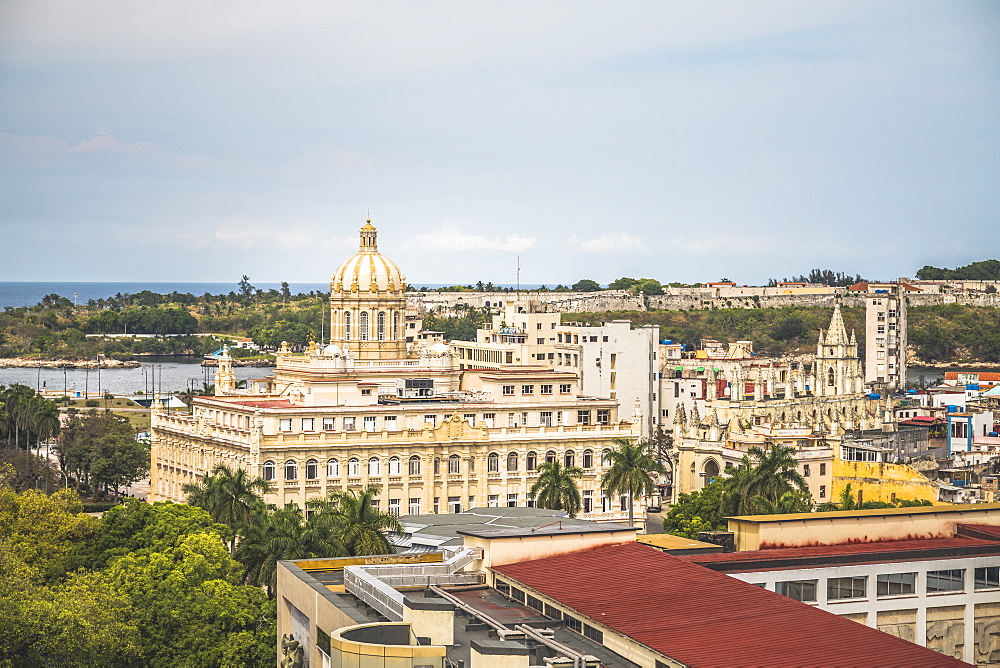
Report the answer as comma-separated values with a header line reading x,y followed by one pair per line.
x,y
29,294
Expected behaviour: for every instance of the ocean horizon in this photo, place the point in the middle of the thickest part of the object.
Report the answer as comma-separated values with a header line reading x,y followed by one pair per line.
x,y
16,294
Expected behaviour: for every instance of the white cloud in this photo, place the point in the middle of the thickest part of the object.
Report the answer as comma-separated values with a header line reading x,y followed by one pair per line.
x,y
448,239
36,151
609,243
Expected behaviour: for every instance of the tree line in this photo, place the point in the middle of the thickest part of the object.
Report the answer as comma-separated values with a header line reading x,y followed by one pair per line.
x,y
93,451
985,270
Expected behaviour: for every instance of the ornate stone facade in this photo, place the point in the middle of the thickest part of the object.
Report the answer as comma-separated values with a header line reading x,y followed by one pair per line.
x,y
435,437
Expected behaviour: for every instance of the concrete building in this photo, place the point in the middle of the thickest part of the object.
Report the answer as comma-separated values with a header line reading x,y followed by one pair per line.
x,y
929,575
885,334
561,596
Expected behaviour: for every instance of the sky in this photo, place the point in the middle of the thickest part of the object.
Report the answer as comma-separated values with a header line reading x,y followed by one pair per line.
x,y
186,140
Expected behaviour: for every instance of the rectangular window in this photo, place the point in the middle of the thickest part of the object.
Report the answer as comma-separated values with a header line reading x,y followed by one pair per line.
x,y
564,388
844,588
307,424
349,423
490,419
389,423
822,469
328,423
414,508
948,580
454,504
822,491
470,418
512,500
508,390
805,470
799,590
540,342
665,413
594,634
394,507
431,419
588,501
493,501
437,504
573,623
546,389
369,423
545,418
527,389
603,415
285,424
988,577
896,584
583,417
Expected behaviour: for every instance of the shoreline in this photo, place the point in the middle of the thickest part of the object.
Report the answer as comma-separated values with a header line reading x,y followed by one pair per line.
x,y
108,363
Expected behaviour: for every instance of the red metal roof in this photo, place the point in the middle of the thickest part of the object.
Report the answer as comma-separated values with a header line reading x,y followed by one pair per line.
x,y
921,419
703,618
889,550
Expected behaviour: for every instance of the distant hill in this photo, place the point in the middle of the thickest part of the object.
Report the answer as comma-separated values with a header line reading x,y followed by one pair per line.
x,y
986,270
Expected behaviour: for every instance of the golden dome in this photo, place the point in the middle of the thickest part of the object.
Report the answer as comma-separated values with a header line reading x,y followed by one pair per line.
x,y
368,271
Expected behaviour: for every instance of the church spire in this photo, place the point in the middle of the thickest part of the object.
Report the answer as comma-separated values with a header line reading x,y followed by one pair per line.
x,y
837,333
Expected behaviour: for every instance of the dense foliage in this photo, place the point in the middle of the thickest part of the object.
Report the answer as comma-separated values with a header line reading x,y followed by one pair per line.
x,y
986,270
100,451
147,584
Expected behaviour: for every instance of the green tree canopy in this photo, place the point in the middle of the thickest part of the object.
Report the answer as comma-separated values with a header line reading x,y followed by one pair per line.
x,y
556,487
630,473
586,285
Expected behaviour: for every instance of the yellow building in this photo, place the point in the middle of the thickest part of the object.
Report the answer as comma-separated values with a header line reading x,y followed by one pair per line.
x,y
363,410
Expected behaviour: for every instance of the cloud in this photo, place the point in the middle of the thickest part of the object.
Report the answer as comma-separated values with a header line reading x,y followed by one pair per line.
x,y
609,243
40,151
448,239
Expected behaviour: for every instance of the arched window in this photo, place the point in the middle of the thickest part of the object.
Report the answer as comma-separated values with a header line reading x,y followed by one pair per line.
x,y
312,469
394,468
437,465
550,456
414,465
831,377
493,463
347,325
363,326
333,469
588,459
711,470
395,325
381,325
268,470
530,462
569,459
454,464
353,467
291,470
512,461
374,466
606,458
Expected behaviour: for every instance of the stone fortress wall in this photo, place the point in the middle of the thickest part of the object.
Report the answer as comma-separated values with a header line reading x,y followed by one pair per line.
x,y
968,293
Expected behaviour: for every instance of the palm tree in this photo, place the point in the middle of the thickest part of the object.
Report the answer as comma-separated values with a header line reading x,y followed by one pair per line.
x,y
356,521
283,535
631,466
556,487
230,496
768,474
